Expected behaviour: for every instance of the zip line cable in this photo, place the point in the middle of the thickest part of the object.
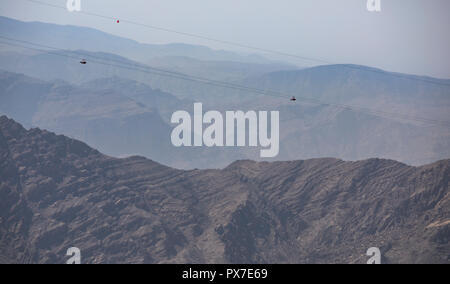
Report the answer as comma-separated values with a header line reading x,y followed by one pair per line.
x,y
128,64
177,75
231,43
135,67
248,89
182,33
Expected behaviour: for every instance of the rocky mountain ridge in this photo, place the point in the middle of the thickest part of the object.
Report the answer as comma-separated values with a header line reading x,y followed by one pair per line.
x,y
58,193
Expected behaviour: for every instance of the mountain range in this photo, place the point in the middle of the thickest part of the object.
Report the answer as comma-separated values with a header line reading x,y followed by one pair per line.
x,y
59,193
121,117
84,38
86,158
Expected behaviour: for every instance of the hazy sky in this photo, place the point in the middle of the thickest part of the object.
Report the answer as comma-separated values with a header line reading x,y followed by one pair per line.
x,y
409,36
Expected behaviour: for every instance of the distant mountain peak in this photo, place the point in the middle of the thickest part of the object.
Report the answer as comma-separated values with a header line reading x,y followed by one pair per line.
x,y
84,38
9,126
14,132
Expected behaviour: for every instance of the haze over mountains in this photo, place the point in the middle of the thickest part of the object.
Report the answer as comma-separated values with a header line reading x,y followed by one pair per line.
x,y
81,38
59,193
152,205
123,111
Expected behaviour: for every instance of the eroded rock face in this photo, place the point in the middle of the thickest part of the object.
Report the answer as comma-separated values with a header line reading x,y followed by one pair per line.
x,y
57,193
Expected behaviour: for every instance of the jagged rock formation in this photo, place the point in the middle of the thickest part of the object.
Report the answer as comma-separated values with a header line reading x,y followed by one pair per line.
x,y
57,193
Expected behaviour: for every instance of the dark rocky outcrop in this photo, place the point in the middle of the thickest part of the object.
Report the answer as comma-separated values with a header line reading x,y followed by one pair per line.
x,y
57,193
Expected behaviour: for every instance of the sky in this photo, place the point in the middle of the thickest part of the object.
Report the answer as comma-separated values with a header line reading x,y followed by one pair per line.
x,y
408,36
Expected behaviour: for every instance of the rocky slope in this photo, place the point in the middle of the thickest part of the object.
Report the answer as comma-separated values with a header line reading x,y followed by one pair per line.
x,y
121,117
57,193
